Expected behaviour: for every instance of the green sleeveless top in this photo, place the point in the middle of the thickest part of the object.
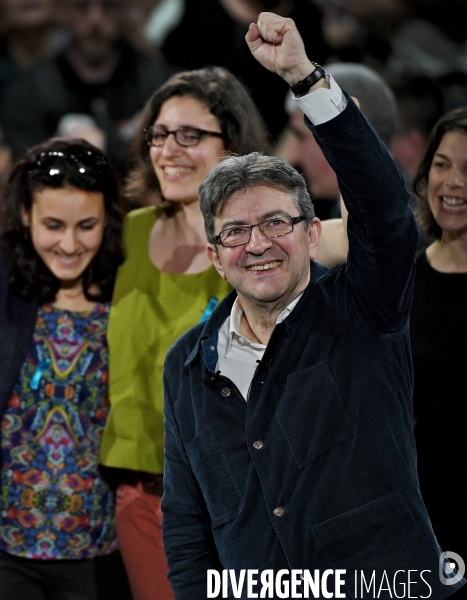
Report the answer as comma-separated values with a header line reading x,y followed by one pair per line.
x,y
150,310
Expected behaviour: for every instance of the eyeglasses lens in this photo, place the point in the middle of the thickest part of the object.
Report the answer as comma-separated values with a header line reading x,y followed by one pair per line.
x,y
271,228
186,136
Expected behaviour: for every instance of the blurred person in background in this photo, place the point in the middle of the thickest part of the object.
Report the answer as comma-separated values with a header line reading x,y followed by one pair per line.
x,y
29,34
378,104
213,32
98,74
421,104
360,30
431,39
150,21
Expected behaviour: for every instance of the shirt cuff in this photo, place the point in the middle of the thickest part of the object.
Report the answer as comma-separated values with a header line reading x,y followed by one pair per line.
x,y
323,104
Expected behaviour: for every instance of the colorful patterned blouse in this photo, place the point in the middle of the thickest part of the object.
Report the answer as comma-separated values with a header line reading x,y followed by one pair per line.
x,y
54,504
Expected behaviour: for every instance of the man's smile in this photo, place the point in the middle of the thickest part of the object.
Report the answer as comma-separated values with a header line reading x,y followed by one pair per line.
x,y
265,267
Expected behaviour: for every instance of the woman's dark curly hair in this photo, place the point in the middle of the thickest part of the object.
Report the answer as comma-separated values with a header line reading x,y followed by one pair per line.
x,y
454,120
58,164
243,128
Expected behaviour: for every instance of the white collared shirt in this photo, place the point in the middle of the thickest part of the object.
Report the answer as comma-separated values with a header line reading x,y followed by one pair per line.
x,y
237,356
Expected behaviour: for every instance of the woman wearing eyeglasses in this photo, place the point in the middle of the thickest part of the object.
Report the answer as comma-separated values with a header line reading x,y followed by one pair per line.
x,y
166,285
61,245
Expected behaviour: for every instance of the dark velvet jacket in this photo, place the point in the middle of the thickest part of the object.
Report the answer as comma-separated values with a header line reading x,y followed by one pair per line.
x,y
333,483
17,322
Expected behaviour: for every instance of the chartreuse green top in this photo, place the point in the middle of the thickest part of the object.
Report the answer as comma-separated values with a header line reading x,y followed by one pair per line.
x,y
150,310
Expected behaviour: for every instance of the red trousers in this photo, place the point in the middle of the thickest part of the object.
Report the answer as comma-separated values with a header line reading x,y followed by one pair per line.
x,y
139,531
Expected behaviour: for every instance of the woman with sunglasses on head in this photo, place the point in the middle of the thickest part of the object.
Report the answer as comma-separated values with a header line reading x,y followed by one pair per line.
x,y
166,285
438,328
60,248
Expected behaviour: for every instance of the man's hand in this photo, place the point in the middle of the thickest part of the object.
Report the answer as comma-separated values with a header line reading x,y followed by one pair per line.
x,y
276,43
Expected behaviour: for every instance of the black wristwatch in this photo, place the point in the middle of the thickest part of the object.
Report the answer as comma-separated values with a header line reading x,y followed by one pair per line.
x,y
304,85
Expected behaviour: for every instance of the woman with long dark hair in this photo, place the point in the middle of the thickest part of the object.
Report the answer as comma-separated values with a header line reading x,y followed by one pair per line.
x,y
61,245
166,285
438,329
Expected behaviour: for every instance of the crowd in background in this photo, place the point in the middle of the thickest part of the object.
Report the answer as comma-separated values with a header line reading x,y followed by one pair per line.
x,y
88,69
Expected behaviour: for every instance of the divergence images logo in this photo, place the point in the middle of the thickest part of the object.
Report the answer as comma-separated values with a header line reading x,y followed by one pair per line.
x,y
451,568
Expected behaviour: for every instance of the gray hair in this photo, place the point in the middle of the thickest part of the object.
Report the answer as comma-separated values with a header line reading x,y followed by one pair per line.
x,y
239,173
377,101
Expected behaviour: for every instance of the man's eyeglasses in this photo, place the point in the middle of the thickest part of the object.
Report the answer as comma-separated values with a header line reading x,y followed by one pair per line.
x,y
184,136
271,228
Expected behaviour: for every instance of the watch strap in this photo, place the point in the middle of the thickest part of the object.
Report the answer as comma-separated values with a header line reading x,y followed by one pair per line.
x,y
303,86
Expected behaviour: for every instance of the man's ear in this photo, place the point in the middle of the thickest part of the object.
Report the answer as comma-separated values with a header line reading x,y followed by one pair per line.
x,y
214,257
314,233
25,217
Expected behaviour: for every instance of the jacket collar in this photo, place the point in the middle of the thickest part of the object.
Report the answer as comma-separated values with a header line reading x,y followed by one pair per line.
x,y
210,331
297,315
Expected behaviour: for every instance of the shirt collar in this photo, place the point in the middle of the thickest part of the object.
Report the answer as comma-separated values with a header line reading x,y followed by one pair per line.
x,y
210,329
236,316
